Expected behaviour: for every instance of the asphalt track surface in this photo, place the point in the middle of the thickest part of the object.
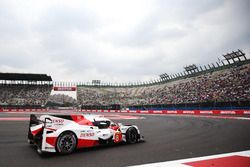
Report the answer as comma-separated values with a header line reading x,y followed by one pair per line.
x,y
167,138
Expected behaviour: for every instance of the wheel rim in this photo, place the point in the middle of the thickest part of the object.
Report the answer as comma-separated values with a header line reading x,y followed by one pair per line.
x,y
66,143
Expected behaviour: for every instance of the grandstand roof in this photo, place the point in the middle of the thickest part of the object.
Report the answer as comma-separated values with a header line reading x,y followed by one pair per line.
x,y
24,77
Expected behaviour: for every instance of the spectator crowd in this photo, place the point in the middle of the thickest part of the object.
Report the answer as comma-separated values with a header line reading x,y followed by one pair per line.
x,y
220,86
24,94
228,85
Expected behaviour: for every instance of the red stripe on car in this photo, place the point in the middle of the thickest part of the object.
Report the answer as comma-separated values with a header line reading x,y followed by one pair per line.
x,y
34,132
51,140
86,143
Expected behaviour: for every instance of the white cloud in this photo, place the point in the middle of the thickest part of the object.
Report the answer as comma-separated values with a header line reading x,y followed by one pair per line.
x,y
118,41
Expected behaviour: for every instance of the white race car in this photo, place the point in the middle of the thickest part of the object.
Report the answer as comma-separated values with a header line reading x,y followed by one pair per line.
x,y
65,133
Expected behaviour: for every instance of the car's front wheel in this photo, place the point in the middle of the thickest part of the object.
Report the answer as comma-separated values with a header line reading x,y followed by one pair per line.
x,y
66,143
131,135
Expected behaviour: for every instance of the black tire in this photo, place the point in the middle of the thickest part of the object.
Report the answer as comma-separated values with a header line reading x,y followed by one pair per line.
x,y
66,143
30,141
131,135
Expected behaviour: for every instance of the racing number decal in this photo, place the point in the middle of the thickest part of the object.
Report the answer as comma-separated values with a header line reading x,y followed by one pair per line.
x,y
118,137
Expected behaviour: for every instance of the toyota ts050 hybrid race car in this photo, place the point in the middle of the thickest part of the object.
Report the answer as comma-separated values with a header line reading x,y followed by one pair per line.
x,y
65,133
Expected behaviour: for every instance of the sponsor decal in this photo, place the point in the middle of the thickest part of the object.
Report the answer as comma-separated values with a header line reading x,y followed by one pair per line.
x,y
172,112
87,134
60,121
133,111
246,112
188,112
227,112
157,112
206,112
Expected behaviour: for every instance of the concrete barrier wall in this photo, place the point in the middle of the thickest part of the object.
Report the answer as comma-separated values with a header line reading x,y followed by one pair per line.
x,y
185,112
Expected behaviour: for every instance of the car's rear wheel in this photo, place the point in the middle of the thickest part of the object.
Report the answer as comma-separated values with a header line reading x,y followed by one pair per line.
x,y
131,135
66,143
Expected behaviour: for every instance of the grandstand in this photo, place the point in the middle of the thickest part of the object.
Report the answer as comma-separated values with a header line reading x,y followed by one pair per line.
x,y
226,85
24,90
220,85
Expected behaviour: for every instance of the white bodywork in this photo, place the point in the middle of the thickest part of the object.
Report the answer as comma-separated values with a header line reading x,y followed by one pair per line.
x,y
86,132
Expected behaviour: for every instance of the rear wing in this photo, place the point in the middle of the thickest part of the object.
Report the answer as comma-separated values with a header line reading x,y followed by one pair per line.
x,y
33,122
36,125
37,132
